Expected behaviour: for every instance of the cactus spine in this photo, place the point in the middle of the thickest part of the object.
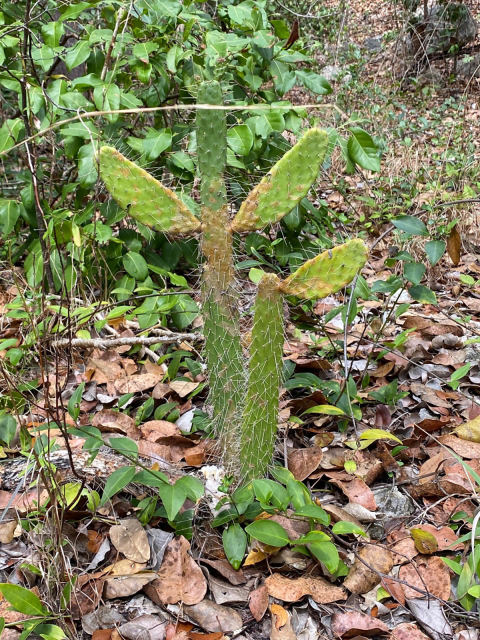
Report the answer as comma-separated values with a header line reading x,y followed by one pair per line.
x,y
223,350
246,422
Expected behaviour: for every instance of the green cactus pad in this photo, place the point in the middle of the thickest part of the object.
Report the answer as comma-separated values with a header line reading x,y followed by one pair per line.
x,y
285,184
146,199
260,415
328,272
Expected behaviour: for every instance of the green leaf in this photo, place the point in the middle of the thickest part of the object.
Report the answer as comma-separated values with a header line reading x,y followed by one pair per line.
x,y
316,83
414,272
268,532
423,294
312,537
362,149
297,493
465,581
263,491
8,428
52,32
125,446
459,374
9,214
473,591
326,552
192,487
315,512
73,407
116,482
173,497
435,250
411,225
78,54
325,409
240,139
143,49
156,142
22,600
341,528
107,98
378,434
9,132
235,543
74,10
2,625
135,265
283,78
150,478
269,122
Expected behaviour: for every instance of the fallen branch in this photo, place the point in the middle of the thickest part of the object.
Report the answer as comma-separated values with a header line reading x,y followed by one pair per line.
x,y
106,343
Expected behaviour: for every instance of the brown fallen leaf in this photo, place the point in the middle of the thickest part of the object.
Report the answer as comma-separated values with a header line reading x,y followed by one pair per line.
x,y
86,594
292,589
182,388
361,579
428,573
135,384
102,370
180,579
395,589
126,585
258,602
124,567
303,462
178,627
407,631
7,529
454,245
295,528
129,537
109,420
102,634
146,627
336,514
464,449
352,623
226,570
469,431
214,617
357,491
281,624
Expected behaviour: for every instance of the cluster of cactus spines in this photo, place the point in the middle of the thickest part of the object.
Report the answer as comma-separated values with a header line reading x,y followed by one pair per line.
x,y
146,199
223,349
285,185
260,415
246,422
327,273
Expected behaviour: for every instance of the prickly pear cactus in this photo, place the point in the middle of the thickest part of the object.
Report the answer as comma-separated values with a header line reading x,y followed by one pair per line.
x,y
285,184
223,350
146,199
328,272
260,415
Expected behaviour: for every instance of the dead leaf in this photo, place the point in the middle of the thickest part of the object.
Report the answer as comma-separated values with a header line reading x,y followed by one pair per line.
x,y
464,449
102,634
357,491
295,528
361,579
146,627
195,456
407,631
225,593
470,430
281,624
428,573
214,617
178,627
337,513
182,388
86,594
109,420
180,579
291,590
226,570
395,589
95,540
303,462
353,623
258,602
126,585
454,244
102,370
7,529
135,384
129,537
155,451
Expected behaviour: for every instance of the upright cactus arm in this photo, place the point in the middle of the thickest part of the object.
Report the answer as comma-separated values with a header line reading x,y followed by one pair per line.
x,y
146,199
284,186
260,415
223,348
328,272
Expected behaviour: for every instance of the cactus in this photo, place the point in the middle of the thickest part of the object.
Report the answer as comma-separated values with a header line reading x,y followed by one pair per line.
x,y
261,406
246,422
285,184
223,350
146,199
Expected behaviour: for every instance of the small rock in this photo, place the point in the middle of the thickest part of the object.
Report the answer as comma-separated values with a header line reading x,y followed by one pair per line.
x,y
331,73
391,504
373,44
431,77
469,67
472,352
